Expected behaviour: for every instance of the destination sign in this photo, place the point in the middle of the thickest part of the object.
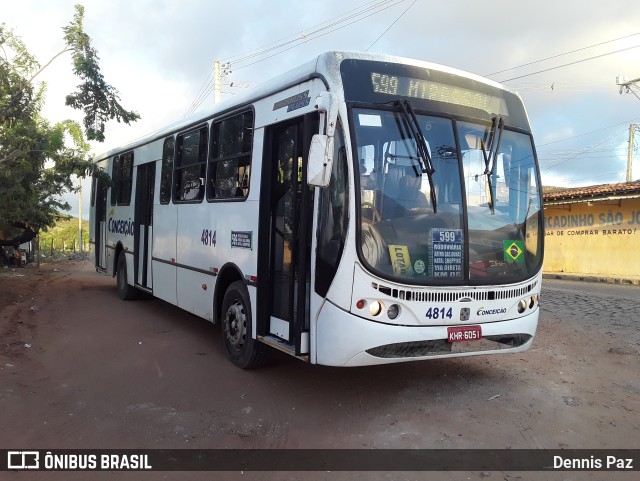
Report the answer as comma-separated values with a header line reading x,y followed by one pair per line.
x,y
395,85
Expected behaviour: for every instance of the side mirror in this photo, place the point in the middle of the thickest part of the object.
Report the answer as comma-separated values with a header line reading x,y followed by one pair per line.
x,y
320,160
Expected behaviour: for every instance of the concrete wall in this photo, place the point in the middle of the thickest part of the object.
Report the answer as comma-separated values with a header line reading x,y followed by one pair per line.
x,y
597,238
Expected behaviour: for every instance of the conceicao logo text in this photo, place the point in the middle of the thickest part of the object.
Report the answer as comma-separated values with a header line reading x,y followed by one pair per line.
x,y
485,312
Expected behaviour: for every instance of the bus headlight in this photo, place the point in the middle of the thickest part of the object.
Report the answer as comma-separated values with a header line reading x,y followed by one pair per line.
x,y
393,311
375,308
522,305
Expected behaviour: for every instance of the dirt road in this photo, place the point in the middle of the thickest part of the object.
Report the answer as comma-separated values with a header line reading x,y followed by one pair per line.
x,y
81,369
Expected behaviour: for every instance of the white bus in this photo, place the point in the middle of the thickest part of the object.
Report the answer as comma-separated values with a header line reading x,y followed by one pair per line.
x,y
360,209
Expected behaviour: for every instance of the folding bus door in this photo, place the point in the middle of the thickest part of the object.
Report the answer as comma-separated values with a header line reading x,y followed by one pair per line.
x,y
143,222
100,225
283,299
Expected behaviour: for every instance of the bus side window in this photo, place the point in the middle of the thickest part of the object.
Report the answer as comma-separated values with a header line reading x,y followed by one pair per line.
x,y
121,176
190,165
94,180
115,178
126,177
230,160
167,170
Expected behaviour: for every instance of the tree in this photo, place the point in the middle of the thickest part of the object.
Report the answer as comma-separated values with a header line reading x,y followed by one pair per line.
x,y
37,159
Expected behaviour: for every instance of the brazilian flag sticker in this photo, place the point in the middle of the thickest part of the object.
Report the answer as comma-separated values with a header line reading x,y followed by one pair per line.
x,y
513,250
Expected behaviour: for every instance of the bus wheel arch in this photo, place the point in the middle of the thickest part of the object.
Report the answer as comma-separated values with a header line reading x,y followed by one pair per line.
x,y
116,258
229,273
126,291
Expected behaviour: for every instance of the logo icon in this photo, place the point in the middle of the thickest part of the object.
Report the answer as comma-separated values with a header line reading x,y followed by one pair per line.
x,y
23,460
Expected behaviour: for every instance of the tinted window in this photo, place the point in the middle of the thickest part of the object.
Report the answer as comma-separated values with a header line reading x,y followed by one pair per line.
x,y
121,175
333,218
167,170
230,164
190,165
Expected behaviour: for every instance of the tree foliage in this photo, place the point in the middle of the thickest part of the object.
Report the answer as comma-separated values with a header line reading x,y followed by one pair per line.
x,y
98,99
38,159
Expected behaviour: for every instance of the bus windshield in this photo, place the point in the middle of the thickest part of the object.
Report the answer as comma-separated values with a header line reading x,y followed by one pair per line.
x,y
402,235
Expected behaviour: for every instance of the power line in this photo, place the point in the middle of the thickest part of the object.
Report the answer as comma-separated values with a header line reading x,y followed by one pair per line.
x,y
320,35
596,176
392,24
582,151
236,58
362,12
570,63
562,54
316,30
587,133
202,94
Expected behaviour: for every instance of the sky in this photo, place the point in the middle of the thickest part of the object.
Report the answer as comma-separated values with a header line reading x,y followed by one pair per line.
x,y
562,57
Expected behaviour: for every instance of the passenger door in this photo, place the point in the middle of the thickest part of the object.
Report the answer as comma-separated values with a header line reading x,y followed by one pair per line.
x,y
100,226
143,225
284,264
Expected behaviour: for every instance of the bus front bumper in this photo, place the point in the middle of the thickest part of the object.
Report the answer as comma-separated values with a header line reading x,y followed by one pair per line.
x,y
343,339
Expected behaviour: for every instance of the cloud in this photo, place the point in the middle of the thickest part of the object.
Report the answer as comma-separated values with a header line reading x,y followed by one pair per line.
x,y
159,54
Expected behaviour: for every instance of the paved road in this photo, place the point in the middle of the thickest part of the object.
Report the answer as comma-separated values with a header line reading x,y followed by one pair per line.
x,y
103,373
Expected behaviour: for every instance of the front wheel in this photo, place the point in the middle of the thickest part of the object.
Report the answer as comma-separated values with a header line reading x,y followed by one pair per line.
x,y
126,292
243,350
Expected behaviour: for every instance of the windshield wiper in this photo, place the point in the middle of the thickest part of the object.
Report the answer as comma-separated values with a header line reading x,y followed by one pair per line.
x,y
490,154
424,157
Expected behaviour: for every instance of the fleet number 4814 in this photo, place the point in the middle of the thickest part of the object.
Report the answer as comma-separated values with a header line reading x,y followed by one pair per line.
x,y
439,313
208,237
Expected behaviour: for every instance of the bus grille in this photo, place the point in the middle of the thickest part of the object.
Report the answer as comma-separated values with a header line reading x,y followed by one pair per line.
x,y
455,296
441,346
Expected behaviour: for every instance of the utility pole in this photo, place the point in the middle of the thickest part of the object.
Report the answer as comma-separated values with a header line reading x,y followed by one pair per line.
x,y
220,72
217,81
628,86
632,129
80,216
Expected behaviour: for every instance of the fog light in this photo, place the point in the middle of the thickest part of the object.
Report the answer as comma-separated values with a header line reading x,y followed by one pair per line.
x,y
360,304
522,305
375,308
393,311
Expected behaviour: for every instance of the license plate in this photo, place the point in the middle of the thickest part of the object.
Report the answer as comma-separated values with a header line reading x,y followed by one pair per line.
x,y
464,333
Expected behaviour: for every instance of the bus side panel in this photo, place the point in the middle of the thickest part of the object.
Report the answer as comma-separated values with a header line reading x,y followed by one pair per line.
x,y
194,256
164,251
210,235
195,292
119,229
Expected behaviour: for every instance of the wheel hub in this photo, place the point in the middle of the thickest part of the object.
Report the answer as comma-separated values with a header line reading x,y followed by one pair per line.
x,y
235,325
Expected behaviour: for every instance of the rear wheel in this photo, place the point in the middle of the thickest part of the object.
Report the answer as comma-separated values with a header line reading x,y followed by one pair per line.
x,y
243,350
126,292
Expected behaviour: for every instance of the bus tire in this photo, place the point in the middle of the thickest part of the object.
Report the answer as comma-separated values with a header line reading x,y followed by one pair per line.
x,y
242,349
126,292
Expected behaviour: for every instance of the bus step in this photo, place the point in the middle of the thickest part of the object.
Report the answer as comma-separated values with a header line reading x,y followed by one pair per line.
x,y
281,345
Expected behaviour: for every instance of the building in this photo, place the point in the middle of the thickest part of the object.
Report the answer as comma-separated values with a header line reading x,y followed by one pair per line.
x,y
593,231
